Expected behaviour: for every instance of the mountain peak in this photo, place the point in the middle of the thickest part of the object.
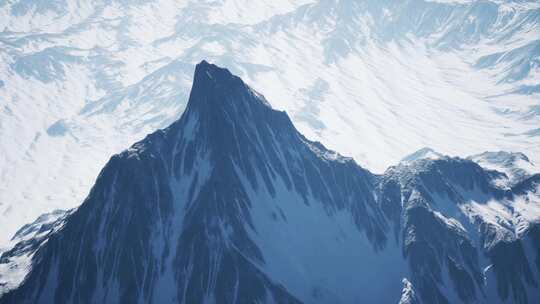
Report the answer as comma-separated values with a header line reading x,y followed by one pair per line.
x,y
424,153
208,72
222,109
217,94
213,84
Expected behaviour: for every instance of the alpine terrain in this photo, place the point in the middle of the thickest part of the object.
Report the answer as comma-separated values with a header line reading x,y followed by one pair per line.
x,y
231,204
80,80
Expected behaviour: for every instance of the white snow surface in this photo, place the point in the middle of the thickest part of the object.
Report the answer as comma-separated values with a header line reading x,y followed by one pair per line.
x,y
82,79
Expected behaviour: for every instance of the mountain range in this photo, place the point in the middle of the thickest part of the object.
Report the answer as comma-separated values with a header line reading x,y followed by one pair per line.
x,y
232,204
80,80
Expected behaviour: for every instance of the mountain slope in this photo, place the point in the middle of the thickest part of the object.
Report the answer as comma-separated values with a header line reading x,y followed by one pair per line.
x,y
232,204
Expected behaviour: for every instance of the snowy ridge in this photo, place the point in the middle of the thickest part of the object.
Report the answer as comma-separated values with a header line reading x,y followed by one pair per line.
x,y
16,262
516,166
424,153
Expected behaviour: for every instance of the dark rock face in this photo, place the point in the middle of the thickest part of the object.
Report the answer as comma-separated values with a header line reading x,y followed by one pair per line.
x,y
511,266
193,214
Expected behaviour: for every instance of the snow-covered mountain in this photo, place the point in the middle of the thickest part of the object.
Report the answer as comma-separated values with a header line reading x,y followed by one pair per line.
x,y
377,80
16,262
516,166
232,204
424,153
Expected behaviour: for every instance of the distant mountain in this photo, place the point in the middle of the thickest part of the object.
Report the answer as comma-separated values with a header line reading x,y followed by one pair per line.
x,y
424,153
374,79
231,204
516,166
